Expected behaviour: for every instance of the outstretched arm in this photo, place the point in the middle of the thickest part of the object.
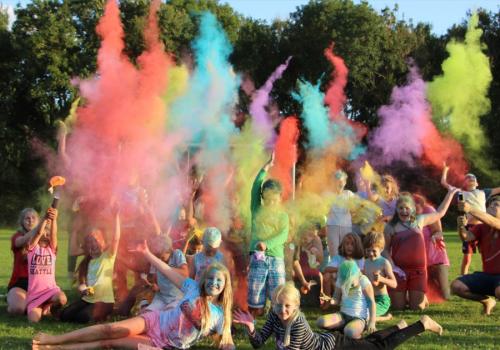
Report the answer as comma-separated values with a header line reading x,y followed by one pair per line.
x,y
26,238
113,248
444,177
257,338
257,184
486,218
175,277
427,219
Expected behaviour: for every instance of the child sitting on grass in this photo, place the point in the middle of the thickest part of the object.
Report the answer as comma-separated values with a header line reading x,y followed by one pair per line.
x,y
95,274
43,292
350,248
379,271
205,308
292,332
354,294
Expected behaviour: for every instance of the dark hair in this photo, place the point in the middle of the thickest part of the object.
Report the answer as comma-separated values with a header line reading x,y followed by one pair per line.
x,y
271,185
492,199
83,267
358,246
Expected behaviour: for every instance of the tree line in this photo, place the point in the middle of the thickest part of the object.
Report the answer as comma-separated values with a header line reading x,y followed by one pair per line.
x,y
53,41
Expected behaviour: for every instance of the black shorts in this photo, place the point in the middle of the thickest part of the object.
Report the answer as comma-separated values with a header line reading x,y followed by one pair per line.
x,y
481,283
20,283
469,247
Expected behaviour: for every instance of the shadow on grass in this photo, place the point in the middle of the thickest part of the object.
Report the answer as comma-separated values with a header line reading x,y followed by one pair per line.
x,y
14,343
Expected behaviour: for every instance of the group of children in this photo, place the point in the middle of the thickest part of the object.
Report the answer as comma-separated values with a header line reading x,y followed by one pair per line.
x,y
361,274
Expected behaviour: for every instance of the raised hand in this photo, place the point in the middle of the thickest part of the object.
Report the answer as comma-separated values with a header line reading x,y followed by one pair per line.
x,y
51,214
245,318
140,247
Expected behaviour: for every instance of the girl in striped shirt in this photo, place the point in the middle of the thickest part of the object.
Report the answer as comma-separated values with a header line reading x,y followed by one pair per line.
x,y
292,332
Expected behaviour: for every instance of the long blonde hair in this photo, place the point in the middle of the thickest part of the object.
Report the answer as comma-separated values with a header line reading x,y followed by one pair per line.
x,y
225,300
292,292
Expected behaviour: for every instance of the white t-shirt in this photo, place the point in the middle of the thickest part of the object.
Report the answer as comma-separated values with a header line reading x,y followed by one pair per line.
x,y
476,198
339,214
354,303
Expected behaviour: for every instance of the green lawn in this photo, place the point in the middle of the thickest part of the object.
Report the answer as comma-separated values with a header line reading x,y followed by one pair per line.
x,y
465,326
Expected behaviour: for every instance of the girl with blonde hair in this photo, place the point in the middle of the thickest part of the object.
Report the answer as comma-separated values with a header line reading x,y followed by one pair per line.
x,y
204,309
292,332
18,284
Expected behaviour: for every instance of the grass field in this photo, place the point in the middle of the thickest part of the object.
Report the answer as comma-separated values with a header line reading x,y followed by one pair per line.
x,y
465,326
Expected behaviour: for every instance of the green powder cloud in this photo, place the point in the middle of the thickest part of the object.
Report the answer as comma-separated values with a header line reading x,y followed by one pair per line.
x,y
459,97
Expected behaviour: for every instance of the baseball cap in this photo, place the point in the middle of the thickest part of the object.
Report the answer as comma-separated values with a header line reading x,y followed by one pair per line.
x,y
212,237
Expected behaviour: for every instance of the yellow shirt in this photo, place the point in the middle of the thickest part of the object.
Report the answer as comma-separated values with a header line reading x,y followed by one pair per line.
x,y
100,277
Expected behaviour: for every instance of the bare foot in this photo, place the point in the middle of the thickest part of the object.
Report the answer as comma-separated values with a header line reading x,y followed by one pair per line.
x,y
431,325
426,302
402,324
41,339
488,305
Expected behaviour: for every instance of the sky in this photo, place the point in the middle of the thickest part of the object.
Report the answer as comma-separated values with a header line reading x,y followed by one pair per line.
x,y
440,14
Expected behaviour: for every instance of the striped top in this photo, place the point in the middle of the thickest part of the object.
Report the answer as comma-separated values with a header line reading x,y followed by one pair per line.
x,y
301,335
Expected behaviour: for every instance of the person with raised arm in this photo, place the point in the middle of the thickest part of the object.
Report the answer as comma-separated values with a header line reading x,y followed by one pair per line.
x,y
480,285
205,308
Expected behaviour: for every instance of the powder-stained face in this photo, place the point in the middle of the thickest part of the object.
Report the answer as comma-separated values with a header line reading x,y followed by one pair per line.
x,y
30,220
285,307
405,211
214,283
271,198
339,183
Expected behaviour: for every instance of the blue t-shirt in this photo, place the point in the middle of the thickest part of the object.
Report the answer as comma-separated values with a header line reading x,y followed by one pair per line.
x,y
168,292
180,326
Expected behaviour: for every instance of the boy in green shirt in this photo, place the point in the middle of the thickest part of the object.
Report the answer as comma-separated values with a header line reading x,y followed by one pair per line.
x,y
269,235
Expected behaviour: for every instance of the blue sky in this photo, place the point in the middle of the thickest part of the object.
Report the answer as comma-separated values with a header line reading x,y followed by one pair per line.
x,y
441,14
